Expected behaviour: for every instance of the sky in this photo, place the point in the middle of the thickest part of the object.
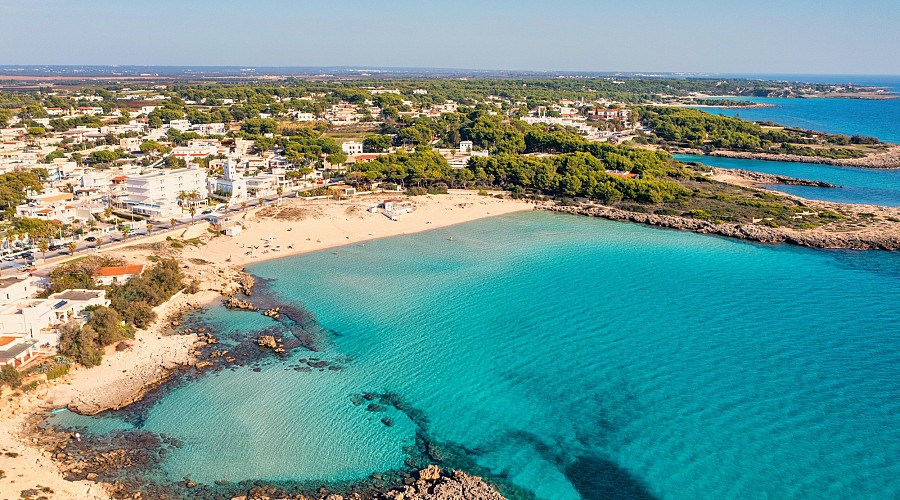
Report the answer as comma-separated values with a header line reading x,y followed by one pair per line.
x,y
725,36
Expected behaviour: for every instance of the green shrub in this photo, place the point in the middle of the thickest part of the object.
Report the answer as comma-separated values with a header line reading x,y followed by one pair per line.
x,y
10,376
56,372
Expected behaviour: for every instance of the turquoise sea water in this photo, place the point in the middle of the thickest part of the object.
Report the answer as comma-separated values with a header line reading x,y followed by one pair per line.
x,y
857,185
572,357
876,118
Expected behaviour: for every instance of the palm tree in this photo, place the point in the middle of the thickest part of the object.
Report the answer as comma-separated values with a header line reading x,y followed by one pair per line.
x,y
125,231
173,221
107,212
193,210
72,247
43,246
182,195
149,228
243,206
99,241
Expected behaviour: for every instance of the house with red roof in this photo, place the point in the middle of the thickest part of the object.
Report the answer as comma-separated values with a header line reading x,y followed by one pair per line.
x,y
117,274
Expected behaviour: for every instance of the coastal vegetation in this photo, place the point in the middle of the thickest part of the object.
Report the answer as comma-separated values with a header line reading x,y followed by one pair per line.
x,y
625,177
131,304
697,129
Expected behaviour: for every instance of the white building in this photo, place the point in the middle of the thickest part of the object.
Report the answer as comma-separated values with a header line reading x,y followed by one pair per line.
x,y
16,350
37,319
352,147
157,194
465,146
14,289
231,186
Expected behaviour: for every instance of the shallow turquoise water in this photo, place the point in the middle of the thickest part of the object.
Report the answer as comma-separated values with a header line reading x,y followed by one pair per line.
x,y
857,185
577,357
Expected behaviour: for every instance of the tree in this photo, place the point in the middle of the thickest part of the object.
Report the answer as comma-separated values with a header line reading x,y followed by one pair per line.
x,y
336,158
126,230
149,228
72,246
193,210
377,143
173,221
99,241
175,162
153,148
107,212
79,343
108,325
43,246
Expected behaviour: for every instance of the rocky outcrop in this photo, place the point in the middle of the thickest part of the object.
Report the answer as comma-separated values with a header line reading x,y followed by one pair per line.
x,y
271,342
273,313
246,281
236,303
433,484
889,158
761,178
752,232
267,341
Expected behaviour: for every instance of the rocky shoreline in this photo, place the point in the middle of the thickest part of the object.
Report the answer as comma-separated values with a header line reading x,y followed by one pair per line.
x,y
749,232
887,159
763,178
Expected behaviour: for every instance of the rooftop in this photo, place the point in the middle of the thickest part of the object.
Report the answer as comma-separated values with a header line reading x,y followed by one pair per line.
x,y
78,295
119,270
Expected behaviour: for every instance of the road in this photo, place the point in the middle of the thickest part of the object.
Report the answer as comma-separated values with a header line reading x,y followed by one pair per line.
x,y
117,237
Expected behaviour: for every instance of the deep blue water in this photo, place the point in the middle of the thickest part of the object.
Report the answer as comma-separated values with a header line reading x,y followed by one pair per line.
x,y
577,357
858,185
876,118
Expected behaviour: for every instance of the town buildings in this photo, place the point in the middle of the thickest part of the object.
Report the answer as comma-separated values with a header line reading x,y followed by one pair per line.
x,y
166,192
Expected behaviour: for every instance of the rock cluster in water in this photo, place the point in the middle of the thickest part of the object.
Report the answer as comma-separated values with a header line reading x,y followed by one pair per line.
x,y
236,303
271,342
433,484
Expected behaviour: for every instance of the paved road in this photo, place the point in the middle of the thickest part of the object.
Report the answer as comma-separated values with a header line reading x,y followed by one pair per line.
x,y
117,237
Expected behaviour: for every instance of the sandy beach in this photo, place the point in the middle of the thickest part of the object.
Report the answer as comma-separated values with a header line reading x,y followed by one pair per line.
x,y
290,227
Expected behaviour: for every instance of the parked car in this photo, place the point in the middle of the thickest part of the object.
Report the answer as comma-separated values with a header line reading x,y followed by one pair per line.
x,y
53,248
91,238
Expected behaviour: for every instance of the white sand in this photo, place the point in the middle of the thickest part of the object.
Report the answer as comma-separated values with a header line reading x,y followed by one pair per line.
x,y
308,226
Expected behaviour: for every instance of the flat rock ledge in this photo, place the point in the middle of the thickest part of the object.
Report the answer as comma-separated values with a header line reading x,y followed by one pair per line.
x,y
750,232
762,178
890,158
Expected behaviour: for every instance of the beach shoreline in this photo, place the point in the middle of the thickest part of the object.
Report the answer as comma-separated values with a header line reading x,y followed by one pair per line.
x,y
291,227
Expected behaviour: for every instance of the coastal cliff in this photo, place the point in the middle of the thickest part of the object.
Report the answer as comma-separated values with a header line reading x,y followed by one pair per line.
x,y
813,238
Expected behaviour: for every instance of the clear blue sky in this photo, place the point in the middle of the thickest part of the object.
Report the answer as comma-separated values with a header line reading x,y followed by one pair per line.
x,y
762,36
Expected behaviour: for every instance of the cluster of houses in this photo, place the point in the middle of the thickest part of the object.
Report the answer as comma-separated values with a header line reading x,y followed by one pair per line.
x,y
232,170
29,326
